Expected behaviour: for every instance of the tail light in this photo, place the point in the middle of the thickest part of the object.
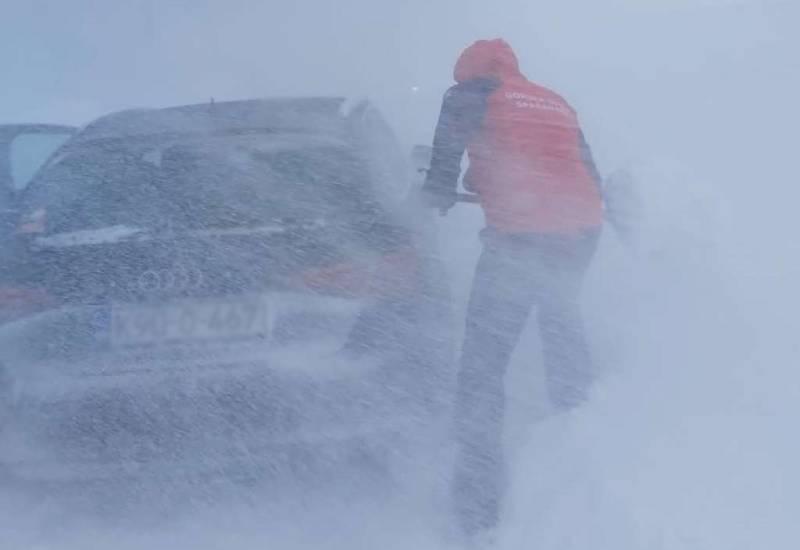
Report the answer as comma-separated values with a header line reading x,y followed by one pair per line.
x,y
17,302
33,223
394,275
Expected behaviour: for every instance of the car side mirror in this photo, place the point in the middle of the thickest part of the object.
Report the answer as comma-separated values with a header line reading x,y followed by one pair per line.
x,y
423,216
421,158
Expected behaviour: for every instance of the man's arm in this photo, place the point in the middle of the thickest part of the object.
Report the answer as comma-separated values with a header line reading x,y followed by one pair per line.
x,y
463,110
588,161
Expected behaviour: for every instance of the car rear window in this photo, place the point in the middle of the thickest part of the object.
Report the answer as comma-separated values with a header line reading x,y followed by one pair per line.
x,y
221,182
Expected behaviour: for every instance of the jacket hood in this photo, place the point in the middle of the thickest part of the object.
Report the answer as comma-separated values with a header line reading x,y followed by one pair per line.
x,y
487,59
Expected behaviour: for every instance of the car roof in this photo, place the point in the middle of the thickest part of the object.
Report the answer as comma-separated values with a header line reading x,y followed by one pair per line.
x,y
319,116
8,131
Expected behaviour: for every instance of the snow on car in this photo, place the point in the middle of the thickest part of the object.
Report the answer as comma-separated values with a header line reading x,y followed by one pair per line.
x,y
227,282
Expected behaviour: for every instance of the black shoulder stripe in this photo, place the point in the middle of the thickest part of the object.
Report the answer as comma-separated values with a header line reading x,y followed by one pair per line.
x,y
463,111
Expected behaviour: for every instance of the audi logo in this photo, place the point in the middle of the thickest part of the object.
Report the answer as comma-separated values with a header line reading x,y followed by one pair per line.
x,y
174,279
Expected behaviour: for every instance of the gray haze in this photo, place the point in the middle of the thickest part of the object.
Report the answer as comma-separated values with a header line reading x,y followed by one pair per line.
x,y
688,440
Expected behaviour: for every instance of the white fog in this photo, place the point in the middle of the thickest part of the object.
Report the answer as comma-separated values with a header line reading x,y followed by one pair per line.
x,y
685,440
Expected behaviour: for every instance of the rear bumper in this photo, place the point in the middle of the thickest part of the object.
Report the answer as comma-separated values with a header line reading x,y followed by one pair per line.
x,y
278,459
204,418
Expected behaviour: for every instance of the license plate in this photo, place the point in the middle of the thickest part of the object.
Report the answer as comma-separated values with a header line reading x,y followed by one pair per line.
x,y
189,320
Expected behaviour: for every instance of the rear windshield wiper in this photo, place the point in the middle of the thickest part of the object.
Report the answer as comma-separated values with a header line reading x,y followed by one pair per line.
x,y
103,235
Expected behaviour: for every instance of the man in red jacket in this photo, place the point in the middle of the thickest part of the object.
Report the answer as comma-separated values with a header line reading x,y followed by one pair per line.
x,y
540,192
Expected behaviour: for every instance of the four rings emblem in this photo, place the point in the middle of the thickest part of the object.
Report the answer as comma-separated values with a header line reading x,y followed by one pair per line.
x,y
177,278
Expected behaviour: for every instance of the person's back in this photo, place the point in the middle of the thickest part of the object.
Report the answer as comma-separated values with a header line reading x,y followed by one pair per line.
x,y
528,159
540,192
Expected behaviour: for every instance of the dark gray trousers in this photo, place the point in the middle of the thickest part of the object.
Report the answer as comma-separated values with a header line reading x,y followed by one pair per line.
x,y
515,273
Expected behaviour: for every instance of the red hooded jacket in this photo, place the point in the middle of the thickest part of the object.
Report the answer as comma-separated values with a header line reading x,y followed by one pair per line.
x,y
528,159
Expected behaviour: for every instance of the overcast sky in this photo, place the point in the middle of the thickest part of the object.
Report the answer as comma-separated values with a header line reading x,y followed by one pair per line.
x,y
622,63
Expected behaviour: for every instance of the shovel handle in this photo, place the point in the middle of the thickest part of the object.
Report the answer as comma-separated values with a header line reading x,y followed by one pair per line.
x,y
469,198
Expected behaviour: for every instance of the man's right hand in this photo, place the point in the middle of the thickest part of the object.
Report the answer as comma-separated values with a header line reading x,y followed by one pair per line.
x,y
440,199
